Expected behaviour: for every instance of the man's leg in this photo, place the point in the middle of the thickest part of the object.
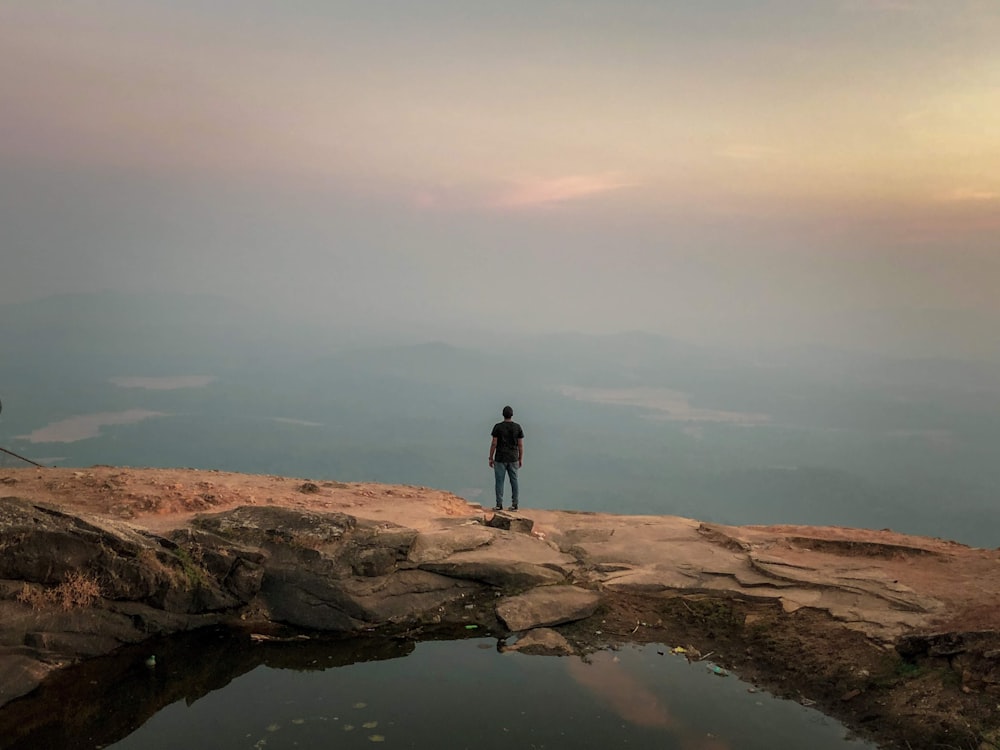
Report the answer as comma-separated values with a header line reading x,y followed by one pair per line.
x,y
514,494
499,470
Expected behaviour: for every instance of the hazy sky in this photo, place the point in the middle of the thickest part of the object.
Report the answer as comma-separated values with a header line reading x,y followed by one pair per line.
x,y
737,170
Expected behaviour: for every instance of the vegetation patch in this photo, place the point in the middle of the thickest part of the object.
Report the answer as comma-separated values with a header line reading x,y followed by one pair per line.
x,y
78,590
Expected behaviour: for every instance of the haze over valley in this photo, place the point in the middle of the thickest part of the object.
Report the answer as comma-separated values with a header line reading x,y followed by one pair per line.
x,y
630,422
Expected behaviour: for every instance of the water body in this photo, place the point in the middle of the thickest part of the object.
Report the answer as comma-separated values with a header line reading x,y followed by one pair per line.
x,y
86,426
164,383
449,695
661,403
459,695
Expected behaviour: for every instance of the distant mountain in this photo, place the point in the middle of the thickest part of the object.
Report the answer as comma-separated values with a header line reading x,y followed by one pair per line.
x,y
112,333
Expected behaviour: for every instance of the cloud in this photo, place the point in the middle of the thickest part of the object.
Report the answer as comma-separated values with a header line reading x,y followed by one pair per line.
x,y
558,190
971,195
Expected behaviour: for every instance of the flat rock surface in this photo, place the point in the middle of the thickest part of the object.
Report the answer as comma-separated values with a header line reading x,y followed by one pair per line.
x,y
879,582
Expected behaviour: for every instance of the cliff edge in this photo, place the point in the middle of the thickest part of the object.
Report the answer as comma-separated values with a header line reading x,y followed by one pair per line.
x,y
896,635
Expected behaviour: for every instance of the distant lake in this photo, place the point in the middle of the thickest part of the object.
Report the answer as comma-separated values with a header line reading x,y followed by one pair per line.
x,y
460,694
86,426
661,403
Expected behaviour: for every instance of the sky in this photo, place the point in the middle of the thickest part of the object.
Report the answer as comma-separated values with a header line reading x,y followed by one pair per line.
x,y
731,171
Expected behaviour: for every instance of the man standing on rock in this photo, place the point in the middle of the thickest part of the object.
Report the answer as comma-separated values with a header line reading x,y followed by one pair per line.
x,y
507,455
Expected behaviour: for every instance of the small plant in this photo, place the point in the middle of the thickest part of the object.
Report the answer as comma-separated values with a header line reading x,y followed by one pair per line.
x,y
77,590
191,561
34,597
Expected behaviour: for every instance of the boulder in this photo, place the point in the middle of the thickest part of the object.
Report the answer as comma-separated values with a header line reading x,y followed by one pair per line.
x,y
546,606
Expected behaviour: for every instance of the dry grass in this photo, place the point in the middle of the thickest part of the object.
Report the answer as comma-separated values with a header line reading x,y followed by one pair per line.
x,y
77,590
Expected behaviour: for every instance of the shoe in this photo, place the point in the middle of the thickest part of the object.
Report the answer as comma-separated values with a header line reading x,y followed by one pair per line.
x,y
499,507
513,508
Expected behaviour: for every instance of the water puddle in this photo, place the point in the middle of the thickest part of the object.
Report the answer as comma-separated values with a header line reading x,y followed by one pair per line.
x,y
218,689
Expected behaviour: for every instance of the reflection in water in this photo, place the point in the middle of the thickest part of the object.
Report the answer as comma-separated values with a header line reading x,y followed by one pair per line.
x,y
105,699
219,689
605,676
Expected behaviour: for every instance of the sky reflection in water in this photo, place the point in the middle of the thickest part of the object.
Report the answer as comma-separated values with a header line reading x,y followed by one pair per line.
x,y
463,694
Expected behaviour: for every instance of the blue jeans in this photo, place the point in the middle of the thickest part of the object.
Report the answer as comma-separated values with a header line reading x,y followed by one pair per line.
x,y
509,469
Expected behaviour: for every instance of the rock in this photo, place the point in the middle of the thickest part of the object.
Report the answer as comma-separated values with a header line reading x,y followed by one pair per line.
x,y
265,526
291,563
44,545
503,574
507,522
439,545
410,596
78,586
304,598
337,543
20,673
547,605
542,642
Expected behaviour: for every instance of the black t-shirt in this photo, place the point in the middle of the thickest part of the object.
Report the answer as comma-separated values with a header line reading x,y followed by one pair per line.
x,y
507,435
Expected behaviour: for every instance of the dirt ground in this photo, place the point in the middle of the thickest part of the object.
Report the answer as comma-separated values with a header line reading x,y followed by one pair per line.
x,y
160,499
925,702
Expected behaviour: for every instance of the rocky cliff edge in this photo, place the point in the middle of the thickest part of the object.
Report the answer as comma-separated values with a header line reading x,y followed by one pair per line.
x,y
95,558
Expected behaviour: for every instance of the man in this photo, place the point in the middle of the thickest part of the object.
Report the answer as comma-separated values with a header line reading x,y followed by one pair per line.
x,y
507,455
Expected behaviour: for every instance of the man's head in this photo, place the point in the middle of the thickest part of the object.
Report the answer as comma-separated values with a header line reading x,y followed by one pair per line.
x,y
508,412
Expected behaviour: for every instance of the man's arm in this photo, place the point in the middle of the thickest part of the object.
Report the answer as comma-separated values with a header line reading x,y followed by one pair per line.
x,y
493,449
520,451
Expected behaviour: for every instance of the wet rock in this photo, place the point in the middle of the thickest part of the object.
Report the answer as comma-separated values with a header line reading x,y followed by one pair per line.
x,y
546,606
